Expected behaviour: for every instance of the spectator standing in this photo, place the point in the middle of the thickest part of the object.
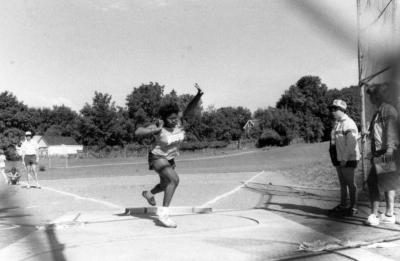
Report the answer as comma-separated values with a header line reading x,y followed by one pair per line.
x,y
345,154
3,165
384,136
30,158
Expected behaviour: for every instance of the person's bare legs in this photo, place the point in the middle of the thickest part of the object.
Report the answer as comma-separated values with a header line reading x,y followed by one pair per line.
x,y
28,174
389,197
35,176
160,187
3,173
169,181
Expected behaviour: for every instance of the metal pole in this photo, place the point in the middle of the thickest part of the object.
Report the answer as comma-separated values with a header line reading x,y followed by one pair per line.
x,y
66,161
362,92
396,39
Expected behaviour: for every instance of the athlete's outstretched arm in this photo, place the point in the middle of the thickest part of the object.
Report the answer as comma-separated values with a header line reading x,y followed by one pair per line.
x,y
150,130
188,112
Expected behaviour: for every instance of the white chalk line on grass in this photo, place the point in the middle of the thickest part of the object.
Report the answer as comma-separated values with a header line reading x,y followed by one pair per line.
x,y
108,204
232,191
145,162
219,157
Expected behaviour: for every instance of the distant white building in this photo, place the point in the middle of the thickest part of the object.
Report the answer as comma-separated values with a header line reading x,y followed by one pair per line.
x,y
60,145
42,144
249,125
55,145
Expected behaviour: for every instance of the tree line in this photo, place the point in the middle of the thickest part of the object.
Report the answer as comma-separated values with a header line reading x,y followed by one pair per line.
x,y
300,114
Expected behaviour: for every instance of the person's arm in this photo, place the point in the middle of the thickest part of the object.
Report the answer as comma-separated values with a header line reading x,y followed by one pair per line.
x,y
22,151
149,130
188,112
351,135
390,115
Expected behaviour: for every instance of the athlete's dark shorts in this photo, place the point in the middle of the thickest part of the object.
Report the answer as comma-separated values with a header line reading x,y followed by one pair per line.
x,y
30,160
349,164
153,158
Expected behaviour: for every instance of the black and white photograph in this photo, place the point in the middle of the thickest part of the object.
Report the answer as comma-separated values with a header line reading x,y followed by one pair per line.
x,y
199,130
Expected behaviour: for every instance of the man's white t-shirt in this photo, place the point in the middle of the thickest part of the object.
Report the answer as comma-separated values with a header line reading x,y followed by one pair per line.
x,y
29,147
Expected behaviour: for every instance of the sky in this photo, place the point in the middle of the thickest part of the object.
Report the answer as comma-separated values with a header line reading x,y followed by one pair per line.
x,y
241,52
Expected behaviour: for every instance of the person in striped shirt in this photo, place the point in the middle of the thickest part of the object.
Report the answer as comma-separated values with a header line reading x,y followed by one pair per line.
x,y
168,134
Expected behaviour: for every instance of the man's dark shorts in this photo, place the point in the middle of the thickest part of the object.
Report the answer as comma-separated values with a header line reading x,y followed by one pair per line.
x,y
30,160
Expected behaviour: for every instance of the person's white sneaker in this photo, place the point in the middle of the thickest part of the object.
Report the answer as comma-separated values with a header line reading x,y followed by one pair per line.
x,y
167,222
388,219
372,220
163,217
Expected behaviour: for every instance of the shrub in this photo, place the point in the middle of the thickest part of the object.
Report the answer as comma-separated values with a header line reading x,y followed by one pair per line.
x,y
195,145
198,145
218,144
269,137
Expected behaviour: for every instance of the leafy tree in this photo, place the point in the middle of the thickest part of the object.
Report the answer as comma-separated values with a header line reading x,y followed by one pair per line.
x,y
60,121
225,123
172,97
144,101
100,124
13,114
54,130
283,122
307,100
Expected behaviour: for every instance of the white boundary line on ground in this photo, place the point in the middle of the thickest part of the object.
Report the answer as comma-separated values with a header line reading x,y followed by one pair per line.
x,y
108,204
219,157
232,191
145,162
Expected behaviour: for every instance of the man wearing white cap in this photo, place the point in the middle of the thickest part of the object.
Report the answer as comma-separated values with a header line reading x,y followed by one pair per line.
x,y
30,157
345,155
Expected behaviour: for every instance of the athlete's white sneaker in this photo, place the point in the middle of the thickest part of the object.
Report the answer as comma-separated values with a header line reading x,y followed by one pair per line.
x,y
163,217
167,222
388,219
372,220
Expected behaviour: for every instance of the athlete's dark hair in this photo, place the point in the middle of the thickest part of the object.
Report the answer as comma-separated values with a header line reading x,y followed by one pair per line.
x,y
168,109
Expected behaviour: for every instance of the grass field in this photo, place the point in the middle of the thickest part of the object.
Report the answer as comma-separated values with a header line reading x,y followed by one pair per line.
x,y
303,164
203,176
114,184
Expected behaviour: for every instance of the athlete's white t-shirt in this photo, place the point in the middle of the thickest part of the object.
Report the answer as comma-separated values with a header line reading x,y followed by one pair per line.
x,y
167,142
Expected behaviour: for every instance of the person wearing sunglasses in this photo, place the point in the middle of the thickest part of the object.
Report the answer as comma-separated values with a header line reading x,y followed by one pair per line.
x,y
345,154
30,158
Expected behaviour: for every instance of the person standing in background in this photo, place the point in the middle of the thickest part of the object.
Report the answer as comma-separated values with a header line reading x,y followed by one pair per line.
x,y
345,154
30,158
384,135
3,165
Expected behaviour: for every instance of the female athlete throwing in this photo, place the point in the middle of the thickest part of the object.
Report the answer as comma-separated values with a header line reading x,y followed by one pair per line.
x,y
168,133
